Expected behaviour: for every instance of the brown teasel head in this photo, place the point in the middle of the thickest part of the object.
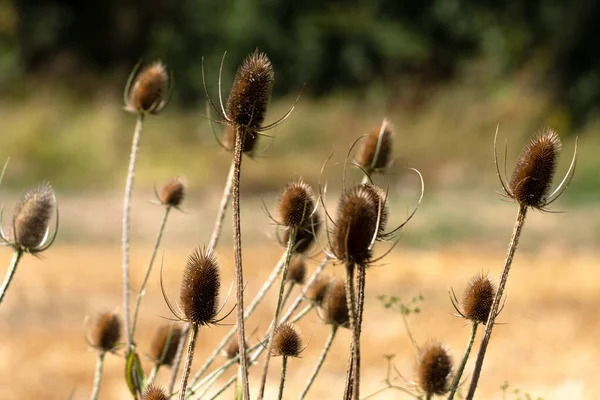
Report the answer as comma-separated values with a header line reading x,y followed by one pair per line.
x,y
532,177
232,349
379,199
199,294
295,204
250,139
318,290
434,368
149,90
251,91
173,193
296,270
376,151
154,393
287,341
306,235
31,218
335,305
164,344
105,332
478,298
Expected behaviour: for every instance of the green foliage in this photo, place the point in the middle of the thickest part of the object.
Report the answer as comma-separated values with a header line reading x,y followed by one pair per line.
x,y
517,394
394,303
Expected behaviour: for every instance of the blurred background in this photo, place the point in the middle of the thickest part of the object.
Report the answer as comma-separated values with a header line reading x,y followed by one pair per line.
x,y
444,72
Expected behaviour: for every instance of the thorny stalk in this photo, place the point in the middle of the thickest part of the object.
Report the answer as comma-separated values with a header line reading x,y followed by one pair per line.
x,y
352,314
98,376
463,362
188,361
282,381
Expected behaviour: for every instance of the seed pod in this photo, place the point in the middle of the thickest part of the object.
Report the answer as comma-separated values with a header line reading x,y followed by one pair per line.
x,y
173,193
165,341
250,139
106,332
478,299
149,90
200,288
305,235
296,203
336,307
154,393
251,91
374,155
296,270
433,369
317,291
32,217
532,177
287,341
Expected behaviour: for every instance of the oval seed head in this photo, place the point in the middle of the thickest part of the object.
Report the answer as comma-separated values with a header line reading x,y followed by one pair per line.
x,y
374,155
149,90
173,193
105,332
297,270
532,176
32,217
434,368
250,139
336,307
317,291
165,341
200,288
287,341
154,393
478,299
251,91
296,203
306,235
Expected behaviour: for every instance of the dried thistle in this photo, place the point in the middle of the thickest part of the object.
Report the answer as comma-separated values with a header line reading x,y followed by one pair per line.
x,y
154,393
316,292
105,332
287,341
478,298
31,219
296,204
375,153
164,344
148,90
434,369
297,270
335,304
173,193
306,235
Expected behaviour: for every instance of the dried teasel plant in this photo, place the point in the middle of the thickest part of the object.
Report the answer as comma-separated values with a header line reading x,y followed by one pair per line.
x,y
154,393
164,344
306,234
317,292
434,369
297,270
375,153
287,342
172,193
104,336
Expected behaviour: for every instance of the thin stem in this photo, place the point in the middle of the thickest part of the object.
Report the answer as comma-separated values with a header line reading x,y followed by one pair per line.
x,y
216,233
282,381
410,335
361,280
135,146
142,291
12,268
320,362
223,388
153,373
188,361
351,301
98,376
290,245
512,248
287,294
463,362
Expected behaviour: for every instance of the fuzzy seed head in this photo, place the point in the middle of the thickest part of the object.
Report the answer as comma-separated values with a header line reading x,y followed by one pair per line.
x,y
478,299
336,307
318,290
532,177
251,91
296,203
154,393
200,288
149,89
287,341
32,216
105,332
165,341
376,151
250,139
306,235
296,270
173,193
434,368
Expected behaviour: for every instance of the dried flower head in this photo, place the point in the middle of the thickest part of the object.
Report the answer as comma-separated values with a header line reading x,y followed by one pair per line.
x,y
154,393
434,369
250,139
296,204
317,291
173,193
164,344
296,270
199,294
335,305
148,90
374,155
232,349
251,91
478,298
287,341
306,235
105,332
31,218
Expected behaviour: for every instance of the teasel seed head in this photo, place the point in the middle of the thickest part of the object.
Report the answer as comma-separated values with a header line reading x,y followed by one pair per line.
x,y
154,393
306,235
478,298
105,332
532,177
165,342
434,369
379,199
335,305
376,151
31,218
199,294
250,139
296,204
296,270
148,90
318,290
251,91
173,193
287,341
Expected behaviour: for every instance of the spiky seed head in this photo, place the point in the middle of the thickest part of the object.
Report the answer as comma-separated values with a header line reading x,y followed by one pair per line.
x,y
376,150
287,341
478,298
31,217
379,198
232,349
434,368
251,91
305,234
200,288
250,139
149,90
296,203
317,291
105,332
154,393
296,270
336,307
165,341
532,177
173,193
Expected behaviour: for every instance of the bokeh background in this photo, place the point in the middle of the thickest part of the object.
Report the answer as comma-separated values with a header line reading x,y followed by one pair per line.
x,y
444,72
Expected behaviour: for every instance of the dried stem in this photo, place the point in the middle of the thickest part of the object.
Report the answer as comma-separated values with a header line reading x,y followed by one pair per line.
x,y
320,362
352,314
282,381
463,362
12,268
188,361
216,233
98,376
512,248
361,280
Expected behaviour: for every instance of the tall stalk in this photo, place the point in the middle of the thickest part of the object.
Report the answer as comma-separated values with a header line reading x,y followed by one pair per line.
x,y
463,362
10,273
311,380
282,380
98,376
361,281
352,314
188,361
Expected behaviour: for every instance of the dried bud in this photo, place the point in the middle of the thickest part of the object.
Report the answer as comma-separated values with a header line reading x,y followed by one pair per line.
x,y
374,155
164,344
32,217
433,369
105,332
305,235
336,307
149,91
478,299
154,393
200,288
173,193
296,270
287,341
251,91
232,349
317,291
250,139
532,176
296,204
